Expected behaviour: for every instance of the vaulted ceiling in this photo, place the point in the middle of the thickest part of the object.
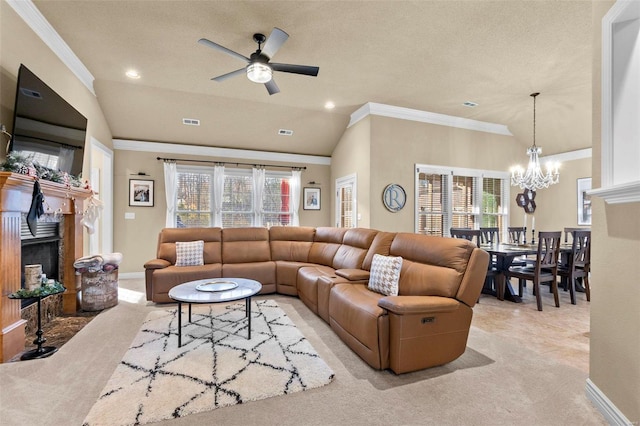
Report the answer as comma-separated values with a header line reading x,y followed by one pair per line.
x,y
426,55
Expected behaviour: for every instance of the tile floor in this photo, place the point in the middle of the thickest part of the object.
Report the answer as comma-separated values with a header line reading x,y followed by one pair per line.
x,y
560,333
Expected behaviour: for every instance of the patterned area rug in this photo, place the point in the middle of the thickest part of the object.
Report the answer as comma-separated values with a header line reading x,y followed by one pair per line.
x,y
216,366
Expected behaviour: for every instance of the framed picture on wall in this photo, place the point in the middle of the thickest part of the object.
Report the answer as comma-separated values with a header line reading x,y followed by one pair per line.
x,y
140,193
311,200
584,201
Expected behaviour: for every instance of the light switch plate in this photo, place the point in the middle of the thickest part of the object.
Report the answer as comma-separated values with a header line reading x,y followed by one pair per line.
x,y
129,215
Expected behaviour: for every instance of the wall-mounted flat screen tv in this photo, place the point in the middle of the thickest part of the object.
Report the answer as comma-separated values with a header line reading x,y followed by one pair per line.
x,y
46,128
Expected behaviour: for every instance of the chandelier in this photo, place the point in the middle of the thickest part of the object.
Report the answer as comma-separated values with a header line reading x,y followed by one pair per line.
x,y
534,178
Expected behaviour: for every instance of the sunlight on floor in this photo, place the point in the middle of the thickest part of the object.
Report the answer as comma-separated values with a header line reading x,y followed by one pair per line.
x,y
130,296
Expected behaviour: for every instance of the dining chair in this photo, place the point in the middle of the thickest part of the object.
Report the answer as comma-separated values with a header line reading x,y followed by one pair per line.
x,y
516,234
489,235
579,263
473,235
570,231
545,269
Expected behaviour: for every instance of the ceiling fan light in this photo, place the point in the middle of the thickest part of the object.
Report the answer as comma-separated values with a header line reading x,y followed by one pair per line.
x,y
259,72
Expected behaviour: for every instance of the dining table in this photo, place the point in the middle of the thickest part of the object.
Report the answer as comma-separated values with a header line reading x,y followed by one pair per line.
x,y
505,253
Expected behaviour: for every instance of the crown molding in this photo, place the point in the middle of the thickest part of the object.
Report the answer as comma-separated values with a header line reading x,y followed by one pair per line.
x,y
618,194
563,157
372,108
210,151
38,23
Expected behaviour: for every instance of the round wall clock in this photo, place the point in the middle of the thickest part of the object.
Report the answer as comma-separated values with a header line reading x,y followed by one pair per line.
x,y
394,197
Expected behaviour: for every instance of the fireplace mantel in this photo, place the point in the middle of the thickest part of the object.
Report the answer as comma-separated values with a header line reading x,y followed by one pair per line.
x,y
15,198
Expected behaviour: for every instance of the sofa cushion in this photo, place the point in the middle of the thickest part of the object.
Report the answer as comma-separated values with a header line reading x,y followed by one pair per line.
x,y
291,243
189,253
385,274
212,238
245,245
326,243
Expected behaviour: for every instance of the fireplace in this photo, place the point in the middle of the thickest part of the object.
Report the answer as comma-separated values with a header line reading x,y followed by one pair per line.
x,y
15,200
41,249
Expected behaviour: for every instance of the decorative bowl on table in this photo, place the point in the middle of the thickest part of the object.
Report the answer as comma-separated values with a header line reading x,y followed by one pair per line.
x,y
217,285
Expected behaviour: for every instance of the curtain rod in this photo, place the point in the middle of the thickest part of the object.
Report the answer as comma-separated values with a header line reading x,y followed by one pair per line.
x,y
233,162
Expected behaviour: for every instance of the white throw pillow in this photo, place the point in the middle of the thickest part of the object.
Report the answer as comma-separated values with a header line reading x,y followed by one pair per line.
x,y
385,274
189,253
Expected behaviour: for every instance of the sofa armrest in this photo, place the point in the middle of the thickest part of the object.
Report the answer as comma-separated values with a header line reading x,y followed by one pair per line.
x,y
353,274
406,305
157,264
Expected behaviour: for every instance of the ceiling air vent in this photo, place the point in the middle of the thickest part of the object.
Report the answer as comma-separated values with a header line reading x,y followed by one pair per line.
x,y
285,132
191,121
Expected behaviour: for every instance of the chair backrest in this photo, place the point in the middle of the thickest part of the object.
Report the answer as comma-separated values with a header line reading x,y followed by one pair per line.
x,y
473,235
581,249
570,231
490,235
516,234
548,251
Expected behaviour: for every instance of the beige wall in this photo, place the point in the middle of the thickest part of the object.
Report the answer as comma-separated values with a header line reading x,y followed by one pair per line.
x,y
352,155
615,295
556,206
21,45
137,238
398,145
383,150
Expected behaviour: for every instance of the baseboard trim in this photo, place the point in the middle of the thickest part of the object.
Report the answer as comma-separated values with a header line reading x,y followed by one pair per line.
x,y
605,406
131,275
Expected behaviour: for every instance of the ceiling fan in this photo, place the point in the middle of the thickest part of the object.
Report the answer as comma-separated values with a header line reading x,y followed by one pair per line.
x,y
258,68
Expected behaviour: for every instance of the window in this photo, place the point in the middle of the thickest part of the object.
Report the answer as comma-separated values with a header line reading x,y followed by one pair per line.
x,y
460,198
195,206
276,200
237,199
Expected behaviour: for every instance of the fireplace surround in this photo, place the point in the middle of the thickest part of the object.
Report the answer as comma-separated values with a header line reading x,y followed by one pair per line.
x,y
15,199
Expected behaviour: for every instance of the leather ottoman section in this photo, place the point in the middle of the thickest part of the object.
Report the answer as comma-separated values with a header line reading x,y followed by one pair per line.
x,y
263,272
355,316
287,276
167,278
424,340
307,284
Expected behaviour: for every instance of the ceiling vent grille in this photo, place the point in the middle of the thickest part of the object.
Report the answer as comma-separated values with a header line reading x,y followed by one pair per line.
x,y
191,121
285,132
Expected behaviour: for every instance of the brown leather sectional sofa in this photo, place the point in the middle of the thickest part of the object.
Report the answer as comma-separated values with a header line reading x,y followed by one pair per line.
x,y
426,325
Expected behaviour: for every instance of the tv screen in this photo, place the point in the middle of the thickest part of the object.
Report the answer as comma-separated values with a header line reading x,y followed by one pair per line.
x,y
45,127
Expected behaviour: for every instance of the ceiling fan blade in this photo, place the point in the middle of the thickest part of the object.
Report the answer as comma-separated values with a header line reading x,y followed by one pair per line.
x,y
223,49
274,42
228,75
272,87
296,69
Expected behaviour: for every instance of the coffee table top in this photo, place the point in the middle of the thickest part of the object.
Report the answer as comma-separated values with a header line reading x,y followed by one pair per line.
x,y
188,292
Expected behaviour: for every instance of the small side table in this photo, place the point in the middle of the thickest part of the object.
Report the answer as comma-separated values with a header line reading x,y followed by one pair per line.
x,y
40,351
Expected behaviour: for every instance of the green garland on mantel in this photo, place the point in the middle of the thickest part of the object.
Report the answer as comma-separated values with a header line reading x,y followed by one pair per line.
x,y
45,290
17,162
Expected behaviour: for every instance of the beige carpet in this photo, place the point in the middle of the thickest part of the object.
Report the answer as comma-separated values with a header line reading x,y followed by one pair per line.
x,y
495,382
216,366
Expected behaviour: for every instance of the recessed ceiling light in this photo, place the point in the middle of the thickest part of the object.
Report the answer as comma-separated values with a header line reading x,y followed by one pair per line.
x,y
329,105
285,132
133,74
470,104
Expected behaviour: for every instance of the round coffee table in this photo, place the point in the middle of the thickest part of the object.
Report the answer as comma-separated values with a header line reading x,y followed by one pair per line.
x,y
214,290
